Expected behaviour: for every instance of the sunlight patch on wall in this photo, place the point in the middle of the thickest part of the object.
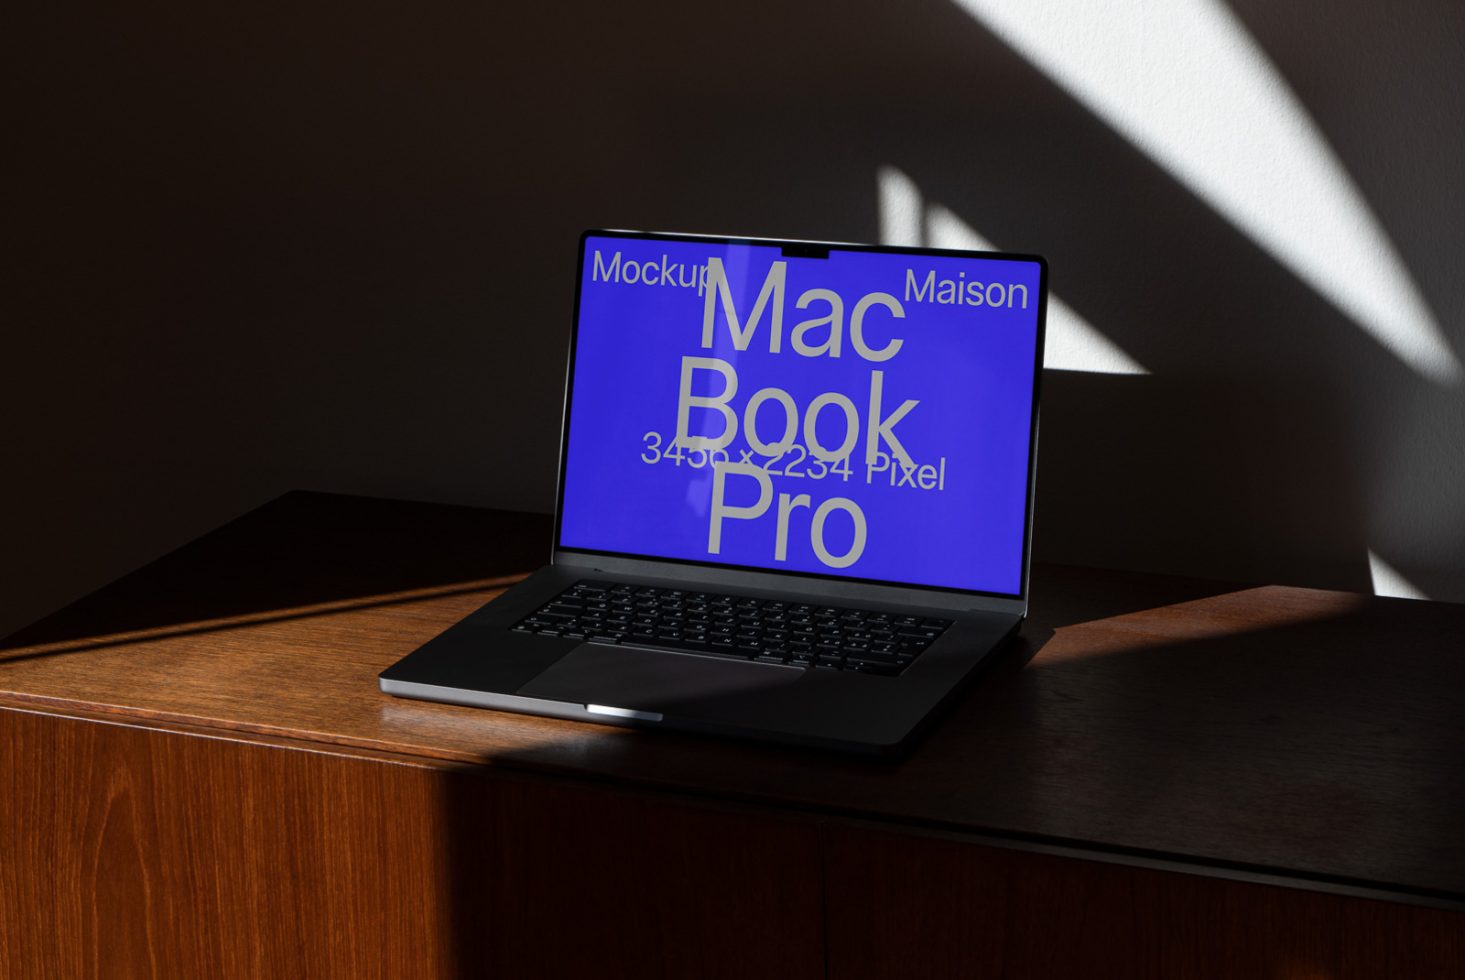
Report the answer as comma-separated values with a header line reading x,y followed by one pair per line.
x,y
1072,343
1185,83
1388,582
902,221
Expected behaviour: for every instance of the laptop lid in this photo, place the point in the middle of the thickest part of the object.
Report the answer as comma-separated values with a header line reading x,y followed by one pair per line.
x,y
855,414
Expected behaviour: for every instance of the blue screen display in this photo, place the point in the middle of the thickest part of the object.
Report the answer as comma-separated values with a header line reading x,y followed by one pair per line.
x,y
865,414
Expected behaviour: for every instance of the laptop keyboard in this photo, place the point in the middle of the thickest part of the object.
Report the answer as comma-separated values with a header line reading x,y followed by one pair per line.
x,y
740,627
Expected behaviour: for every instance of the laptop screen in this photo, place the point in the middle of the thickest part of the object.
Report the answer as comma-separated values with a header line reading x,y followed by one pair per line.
x,y
850,411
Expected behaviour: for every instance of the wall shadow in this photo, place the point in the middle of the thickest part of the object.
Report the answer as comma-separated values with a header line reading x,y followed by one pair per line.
x,y
303,550
269,250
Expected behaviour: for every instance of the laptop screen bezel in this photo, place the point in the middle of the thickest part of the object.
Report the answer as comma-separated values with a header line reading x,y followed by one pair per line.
x,y
561,553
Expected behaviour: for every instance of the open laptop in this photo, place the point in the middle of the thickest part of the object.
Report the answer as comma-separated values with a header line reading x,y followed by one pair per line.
x,y
795,494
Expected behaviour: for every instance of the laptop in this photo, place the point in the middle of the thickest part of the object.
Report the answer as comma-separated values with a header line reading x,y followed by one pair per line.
x,y
795,494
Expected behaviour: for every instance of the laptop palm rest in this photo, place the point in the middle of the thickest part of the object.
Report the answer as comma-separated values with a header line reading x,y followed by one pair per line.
x,y
648,681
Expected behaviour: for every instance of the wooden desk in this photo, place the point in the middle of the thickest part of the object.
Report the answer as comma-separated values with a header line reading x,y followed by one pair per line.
x,y
1164,778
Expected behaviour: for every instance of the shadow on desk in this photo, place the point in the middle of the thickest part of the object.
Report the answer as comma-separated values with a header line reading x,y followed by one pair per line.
x,y
1205,787
300,555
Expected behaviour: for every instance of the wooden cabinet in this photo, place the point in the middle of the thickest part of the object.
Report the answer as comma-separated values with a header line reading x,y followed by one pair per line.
x,y
1164,778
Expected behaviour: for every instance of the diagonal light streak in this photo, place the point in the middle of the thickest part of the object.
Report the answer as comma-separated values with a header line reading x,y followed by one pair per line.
x,y
1072,343
1185,83
1388,582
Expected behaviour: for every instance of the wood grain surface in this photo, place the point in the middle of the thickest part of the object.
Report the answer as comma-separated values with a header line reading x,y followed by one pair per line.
x,y
130,852
994,912
152,852
1312,735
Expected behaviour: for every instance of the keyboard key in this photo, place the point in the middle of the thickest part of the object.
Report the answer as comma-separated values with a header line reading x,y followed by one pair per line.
x,y
686,643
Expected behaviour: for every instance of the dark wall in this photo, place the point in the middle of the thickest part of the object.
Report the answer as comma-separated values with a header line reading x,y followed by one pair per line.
x,y
331,245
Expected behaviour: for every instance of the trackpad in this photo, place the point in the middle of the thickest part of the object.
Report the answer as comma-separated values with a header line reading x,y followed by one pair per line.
x,y
625,677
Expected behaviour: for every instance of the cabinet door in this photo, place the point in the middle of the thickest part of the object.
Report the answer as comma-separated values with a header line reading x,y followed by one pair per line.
x,y
955,909
132,852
